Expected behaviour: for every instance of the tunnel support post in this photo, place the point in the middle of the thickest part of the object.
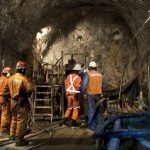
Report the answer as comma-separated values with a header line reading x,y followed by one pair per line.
x,y
148,79
62,73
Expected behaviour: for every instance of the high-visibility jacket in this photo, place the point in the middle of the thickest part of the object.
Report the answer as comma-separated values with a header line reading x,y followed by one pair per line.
x,y
94,83
19,85
3,88
73,84
3,85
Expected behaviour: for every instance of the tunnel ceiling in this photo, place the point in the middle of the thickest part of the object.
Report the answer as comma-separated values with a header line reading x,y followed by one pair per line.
x,y
21,20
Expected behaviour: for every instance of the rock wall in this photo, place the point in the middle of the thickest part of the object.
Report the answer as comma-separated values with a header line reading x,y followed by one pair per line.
x,y
81,24
100,35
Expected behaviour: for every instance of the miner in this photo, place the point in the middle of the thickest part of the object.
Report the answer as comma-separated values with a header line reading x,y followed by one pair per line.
x,y
72,86
20,89
5,102
92,91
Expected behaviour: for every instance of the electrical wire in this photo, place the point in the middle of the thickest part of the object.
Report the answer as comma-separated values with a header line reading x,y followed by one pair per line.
x,y
141,28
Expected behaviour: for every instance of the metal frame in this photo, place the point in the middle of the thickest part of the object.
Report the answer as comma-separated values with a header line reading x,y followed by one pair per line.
x,y
114,135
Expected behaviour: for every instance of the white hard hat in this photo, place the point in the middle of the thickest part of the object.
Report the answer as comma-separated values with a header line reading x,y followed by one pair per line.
x,y
77,67
92,64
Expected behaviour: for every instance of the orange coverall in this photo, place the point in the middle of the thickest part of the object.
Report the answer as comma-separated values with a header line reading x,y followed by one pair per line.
x,y
5,105
19,87
72,86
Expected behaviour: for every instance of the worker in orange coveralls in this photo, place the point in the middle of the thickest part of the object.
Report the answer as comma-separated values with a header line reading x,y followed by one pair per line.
x,y
72,86
20,88
5,102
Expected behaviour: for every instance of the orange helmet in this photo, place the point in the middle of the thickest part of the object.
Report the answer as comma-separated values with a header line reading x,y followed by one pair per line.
x,y
6,70
21,65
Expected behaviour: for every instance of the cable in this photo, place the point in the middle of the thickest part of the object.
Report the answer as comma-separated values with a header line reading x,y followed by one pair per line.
x,y
39,145
47,130
141,28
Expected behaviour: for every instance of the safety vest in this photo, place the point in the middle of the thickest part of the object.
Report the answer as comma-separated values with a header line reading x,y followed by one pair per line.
x,y
95,83
73,83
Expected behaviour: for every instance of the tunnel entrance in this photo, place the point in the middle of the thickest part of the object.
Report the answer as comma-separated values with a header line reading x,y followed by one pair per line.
x,y
101,35
67,32
91,34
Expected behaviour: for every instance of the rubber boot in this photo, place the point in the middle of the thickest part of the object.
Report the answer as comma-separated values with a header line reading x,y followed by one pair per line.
x,y
4,133
12,138
84,124
63,122
21,142
73,124
28,131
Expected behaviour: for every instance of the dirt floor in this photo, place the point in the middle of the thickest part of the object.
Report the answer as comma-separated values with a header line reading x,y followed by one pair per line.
x,y
58,139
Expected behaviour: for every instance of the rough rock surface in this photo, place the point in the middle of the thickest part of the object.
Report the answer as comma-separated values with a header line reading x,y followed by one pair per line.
x,y
103,29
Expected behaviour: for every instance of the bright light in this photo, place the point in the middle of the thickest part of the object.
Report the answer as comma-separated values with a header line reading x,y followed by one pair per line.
x,y
43,33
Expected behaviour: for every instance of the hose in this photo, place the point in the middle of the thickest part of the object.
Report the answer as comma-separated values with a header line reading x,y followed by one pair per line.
x,y
40,131
41,144
47,130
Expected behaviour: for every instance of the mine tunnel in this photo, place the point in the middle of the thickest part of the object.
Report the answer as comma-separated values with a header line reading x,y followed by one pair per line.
x,y
50,38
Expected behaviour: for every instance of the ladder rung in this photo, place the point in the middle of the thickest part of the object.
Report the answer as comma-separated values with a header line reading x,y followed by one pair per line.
x,y
40,115
43,107
43,86
57,85
43,92
43,99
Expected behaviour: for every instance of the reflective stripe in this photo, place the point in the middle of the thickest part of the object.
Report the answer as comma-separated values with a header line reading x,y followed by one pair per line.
x,y
94,75
1,81
76,107
73,91
15,80
71,88
94,83
70,108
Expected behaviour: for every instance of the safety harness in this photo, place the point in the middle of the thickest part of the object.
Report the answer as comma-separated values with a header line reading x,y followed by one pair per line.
x,y
71,88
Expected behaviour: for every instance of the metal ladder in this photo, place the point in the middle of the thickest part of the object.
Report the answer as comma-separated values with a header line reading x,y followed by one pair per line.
x,y
43,104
